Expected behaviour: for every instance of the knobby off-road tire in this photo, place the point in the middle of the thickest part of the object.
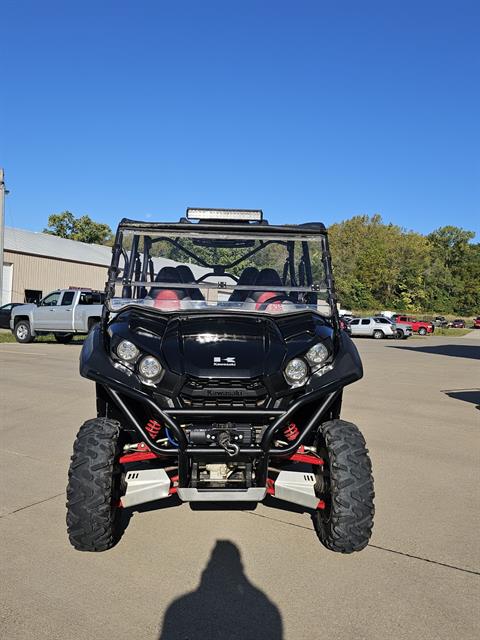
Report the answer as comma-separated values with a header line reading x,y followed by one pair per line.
x,y
22,332
94,482
346,486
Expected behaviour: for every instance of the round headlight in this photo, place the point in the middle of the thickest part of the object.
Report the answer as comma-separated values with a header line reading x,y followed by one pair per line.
x,y
150,367
317,354
296,371
127,351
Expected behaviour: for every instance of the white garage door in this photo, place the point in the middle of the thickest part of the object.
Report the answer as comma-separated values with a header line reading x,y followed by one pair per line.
x,y
7,283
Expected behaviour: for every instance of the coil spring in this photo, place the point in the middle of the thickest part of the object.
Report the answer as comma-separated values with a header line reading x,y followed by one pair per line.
x,y
291,432
153,428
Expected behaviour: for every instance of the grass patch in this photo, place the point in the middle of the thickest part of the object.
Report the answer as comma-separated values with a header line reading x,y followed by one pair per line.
x,y
7,336
444,331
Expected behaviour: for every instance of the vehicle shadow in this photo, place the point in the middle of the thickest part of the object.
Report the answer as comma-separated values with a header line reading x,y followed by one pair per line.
x,y
73,343
225,605
453,350
467,395
126,514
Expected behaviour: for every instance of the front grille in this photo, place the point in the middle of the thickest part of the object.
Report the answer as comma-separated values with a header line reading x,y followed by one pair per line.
x,y
223,392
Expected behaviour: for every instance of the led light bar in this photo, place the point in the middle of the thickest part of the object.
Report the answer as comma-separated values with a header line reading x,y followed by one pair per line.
x,y
225,214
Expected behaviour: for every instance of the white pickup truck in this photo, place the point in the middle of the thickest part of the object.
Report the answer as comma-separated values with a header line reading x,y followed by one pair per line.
x,y
64,313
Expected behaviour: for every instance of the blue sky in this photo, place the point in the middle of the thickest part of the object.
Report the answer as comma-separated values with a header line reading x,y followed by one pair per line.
x,y
311,110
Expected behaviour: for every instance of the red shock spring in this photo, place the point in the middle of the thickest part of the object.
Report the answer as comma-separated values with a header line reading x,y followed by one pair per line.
x,y
291,432
153,427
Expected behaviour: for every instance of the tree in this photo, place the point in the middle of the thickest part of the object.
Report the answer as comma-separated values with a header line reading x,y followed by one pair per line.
x,y
83,229
454,273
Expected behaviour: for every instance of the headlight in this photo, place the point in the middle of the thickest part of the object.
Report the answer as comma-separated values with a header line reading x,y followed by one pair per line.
x,y
127,351
150,367
317,354
296,371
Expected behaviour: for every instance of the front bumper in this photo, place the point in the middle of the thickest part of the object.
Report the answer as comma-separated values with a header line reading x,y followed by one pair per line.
x,y
125,391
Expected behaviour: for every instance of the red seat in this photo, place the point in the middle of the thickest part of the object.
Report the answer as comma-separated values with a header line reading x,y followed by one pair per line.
x,y
275,307
167,300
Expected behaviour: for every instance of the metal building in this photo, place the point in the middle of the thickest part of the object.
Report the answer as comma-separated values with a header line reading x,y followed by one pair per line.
x,y
37,263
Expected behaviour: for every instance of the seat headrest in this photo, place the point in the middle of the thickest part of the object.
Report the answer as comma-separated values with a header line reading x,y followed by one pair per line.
x,y
185,273
269,278
248,275
167,274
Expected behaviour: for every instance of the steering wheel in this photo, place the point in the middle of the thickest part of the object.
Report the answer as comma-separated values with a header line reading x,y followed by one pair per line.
x,y
280,298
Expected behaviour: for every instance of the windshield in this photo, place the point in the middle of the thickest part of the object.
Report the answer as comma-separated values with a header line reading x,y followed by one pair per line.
x,y
210,270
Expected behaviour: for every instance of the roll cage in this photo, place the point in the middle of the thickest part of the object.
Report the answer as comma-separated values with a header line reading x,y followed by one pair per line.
x,y
138,267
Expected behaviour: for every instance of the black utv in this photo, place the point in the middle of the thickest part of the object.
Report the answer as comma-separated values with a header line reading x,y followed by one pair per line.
x,y
219,367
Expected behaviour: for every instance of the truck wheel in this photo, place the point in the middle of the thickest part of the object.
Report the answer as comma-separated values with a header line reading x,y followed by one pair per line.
x,y
422,331
400,334
63,338
345,483
94,486
378,335
22,332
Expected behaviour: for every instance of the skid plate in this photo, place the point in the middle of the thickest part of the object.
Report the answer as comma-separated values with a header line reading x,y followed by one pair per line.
x,y
145,485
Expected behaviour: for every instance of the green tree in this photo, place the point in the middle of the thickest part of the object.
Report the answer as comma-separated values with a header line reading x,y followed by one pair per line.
x,y
83,229
454,272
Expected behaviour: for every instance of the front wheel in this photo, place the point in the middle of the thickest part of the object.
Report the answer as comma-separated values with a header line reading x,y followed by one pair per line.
x,y
400,334
422,331
377,334
94,486
345,484
22,332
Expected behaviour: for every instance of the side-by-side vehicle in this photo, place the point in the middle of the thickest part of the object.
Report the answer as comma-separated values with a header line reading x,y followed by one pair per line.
x,y
219,366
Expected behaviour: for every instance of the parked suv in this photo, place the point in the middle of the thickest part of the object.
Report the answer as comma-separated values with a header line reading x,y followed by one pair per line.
x,y
6,312
440,321
372,328
418,326
403,331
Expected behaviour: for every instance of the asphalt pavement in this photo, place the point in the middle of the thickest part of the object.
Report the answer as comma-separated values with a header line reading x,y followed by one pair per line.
x,y
180,573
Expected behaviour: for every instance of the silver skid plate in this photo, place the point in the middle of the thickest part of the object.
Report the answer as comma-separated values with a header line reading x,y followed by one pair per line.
x,y
252,494
296,487
145,486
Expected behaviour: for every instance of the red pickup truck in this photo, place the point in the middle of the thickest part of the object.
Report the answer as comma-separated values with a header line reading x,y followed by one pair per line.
x,y
418,326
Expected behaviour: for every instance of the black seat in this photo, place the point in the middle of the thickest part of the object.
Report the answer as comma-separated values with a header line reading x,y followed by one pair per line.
x,y
185,275
169,275
247,277
266,279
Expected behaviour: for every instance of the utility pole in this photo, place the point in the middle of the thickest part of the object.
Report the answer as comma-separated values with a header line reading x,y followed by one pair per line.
x,y
2,230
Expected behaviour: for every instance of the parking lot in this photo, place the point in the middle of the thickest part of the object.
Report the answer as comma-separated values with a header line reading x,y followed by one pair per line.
x,y
180,573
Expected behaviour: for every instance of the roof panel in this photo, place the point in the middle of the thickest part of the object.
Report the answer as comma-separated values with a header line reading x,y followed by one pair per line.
x,y
44,244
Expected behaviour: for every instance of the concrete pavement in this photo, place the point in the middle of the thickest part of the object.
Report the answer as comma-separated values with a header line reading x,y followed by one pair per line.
x,y
183,573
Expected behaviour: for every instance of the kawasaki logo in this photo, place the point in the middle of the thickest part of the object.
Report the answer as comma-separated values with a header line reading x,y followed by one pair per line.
x,y
224,362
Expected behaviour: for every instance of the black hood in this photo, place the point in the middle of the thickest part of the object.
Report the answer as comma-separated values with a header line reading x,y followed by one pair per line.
x,y
223,347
